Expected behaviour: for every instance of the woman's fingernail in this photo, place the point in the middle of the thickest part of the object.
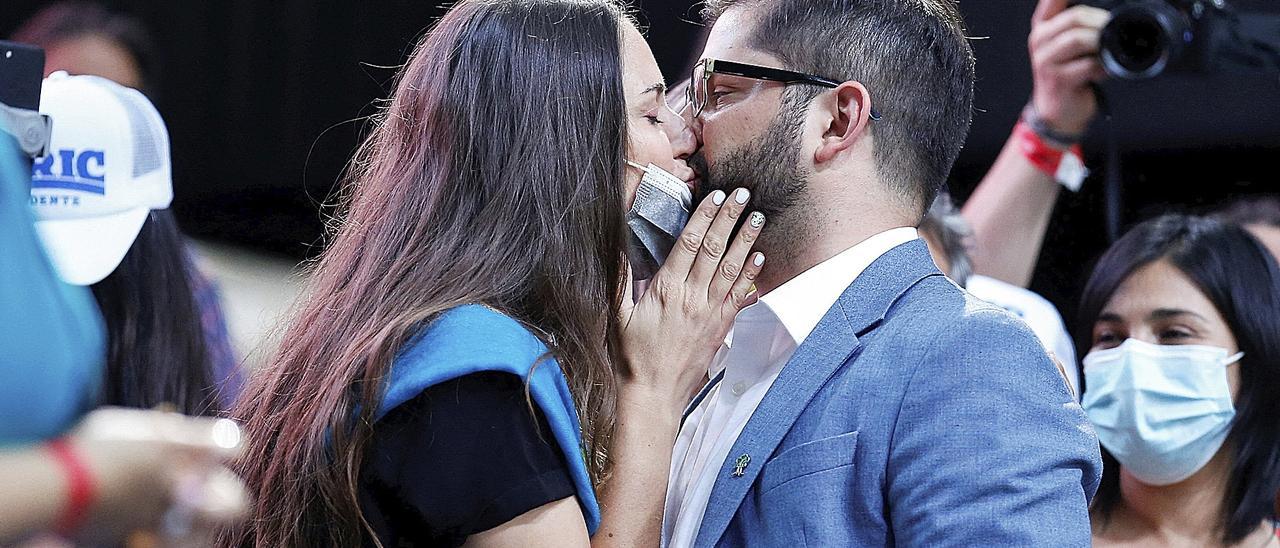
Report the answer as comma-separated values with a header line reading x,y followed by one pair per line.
x,y
757,219
741,196
759,260
717,197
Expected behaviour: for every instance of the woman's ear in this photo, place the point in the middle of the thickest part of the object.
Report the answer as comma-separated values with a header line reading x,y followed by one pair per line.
x,y
849,113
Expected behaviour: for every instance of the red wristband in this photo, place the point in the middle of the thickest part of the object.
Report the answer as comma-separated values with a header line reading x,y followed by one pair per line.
x,y
1062,165
80,486
1046,158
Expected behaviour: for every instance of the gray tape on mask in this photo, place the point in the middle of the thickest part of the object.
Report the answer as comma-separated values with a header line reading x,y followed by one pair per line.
x,y
655,219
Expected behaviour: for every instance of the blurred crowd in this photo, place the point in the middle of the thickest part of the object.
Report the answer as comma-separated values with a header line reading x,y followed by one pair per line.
x,y
129,418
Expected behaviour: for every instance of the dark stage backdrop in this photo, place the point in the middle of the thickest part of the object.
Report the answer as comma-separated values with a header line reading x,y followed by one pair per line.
x,y
265,99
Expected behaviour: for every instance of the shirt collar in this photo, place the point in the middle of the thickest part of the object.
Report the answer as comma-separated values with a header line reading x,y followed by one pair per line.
x,y
801,302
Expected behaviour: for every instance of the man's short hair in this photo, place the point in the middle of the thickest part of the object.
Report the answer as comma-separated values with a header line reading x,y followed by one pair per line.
x,y
913,57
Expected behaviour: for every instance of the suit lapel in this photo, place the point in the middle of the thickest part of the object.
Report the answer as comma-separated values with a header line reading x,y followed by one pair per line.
x,y
799,380
860,308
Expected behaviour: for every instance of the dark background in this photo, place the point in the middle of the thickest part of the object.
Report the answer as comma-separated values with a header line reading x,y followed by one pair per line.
x,y
264,101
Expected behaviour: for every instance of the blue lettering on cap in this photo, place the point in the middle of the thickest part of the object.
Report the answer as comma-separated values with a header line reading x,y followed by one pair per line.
x,y
84,170
82,165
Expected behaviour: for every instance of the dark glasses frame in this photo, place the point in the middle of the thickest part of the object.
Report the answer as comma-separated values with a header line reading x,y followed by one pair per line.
x,y
755,72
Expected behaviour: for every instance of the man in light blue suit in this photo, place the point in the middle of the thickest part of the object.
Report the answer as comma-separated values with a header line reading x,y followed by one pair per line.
x,y
865,400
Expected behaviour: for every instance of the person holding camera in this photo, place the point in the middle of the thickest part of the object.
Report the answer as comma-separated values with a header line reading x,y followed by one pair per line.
x,y
1178,322
1074,44
1011,207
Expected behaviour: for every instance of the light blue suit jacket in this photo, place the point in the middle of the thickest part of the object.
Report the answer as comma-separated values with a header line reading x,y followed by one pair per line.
x,y
913,415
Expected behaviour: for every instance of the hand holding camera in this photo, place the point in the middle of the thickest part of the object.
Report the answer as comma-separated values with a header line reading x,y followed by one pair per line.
x,y
1064,45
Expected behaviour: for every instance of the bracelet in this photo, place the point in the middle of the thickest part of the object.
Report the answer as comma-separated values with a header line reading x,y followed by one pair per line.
x,y
80,487
1054,137
1064,166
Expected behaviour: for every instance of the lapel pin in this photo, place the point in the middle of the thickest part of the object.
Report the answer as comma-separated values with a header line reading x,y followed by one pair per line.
x,y
740,465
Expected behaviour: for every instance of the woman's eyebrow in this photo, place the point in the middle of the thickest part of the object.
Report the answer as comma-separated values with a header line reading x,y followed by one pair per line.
x,y
1167,313
659,87
1109,317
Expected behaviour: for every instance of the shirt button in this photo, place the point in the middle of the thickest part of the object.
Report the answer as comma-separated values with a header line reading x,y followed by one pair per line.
x,y
738,388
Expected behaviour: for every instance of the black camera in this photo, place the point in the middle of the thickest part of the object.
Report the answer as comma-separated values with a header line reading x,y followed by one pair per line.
x,y
1146,38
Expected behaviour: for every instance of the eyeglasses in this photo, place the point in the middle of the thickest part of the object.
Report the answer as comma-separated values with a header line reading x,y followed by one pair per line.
x,y
696,93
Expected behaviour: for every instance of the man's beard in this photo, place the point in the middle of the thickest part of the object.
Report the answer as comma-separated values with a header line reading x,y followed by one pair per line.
x,y
768,166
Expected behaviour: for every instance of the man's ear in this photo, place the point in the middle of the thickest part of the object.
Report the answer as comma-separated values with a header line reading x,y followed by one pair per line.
x,y
850,113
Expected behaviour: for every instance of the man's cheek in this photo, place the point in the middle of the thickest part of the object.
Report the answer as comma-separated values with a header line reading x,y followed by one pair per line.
x,y
729,130
711,145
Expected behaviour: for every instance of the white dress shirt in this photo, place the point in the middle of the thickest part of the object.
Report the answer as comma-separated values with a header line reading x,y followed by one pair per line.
x,y
763,338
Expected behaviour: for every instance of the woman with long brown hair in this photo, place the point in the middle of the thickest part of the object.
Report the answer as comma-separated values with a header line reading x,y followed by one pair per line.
x,y
468,365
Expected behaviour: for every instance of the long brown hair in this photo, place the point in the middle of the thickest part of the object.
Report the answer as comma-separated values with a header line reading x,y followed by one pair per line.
x,y
494,176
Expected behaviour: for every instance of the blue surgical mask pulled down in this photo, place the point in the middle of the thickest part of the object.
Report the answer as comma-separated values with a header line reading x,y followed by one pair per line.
x,y
658,214
1163,411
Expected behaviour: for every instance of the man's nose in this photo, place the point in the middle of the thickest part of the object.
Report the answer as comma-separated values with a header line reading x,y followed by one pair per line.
x,y
694,123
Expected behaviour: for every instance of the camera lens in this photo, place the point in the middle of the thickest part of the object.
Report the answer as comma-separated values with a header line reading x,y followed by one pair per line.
x,y
1142,39
1141,44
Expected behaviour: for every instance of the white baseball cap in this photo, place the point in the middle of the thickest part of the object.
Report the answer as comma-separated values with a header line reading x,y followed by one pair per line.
x,y
107,168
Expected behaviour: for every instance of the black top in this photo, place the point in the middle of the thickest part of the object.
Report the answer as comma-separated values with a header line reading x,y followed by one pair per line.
x,y
462,457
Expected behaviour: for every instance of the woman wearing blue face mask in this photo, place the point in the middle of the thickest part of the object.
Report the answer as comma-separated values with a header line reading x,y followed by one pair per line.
x,y
1181,325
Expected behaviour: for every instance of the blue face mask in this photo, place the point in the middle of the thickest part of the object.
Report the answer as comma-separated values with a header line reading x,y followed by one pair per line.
x,y
1162,410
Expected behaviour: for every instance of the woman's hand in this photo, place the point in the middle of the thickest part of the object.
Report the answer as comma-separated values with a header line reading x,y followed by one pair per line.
x,y
671,334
